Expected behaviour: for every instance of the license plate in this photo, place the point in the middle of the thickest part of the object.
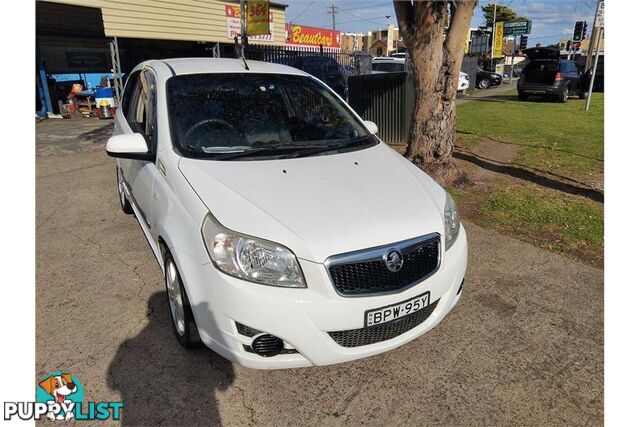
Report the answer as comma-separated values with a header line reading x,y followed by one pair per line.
x,y
395,311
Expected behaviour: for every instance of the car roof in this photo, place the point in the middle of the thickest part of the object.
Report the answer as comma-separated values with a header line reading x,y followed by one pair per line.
x,y
388,59
180,66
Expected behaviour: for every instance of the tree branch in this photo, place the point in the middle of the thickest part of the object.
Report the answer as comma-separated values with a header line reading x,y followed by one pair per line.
x,y
458,28
405,15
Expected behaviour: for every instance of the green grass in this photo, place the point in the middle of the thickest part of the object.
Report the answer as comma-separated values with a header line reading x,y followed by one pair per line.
x,y
564,221
555,137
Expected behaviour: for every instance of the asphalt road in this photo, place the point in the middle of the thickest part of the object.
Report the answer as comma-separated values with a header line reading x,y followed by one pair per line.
x,y
524,346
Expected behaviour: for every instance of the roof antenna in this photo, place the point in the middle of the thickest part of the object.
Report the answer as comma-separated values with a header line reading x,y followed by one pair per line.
x,y
239,48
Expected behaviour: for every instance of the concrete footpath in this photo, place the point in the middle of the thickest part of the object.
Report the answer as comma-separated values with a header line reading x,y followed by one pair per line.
x,y
524,346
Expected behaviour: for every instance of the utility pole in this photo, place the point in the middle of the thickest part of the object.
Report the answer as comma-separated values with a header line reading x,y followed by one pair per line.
x,y
513,55
493,32
595,35
593,70
598,22
333,12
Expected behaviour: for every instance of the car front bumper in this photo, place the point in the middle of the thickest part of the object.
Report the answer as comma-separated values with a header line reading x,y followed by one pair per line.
x,y
302,318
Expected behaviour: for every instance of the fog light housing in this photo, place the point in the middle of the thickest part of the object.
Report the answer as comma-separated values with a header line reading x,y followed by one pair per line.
x,y
266,345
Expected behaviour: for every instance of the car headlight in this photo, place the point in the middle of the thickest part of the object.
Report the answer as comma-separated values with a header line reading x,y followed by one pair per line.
x,y
451,222
250,258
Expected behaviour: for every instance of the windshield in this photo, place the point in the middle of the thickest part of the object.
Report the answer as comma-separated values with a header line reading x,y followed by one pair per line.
x,y
229,116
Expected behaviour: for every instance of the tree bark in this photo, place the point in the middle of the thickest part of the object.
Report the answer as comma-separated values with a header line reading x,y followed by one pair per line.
x,y
437,59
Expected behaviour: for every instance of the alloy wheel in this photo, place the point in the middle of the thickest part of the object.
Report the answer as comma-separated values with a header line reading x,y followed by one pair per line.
x,y
121,193
174,293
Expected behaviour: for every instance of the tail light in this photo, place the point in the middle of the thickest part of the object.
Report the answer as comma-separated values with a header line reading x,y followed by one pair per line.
x,y
559,76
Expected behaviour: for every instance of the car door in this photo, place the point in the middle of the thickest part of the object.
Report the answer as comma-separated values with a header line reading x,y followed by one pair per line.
x,y
570,72
140,118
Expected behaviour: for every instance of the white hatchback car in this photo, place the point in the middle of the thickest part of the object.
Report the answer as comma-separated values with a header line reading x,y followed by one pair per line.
x,y
289,235
396,64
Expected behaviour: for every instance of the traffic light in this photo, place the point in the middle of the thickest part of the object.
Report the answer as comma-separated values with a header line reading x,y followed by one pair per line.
x,y
579,31
568,45
523,42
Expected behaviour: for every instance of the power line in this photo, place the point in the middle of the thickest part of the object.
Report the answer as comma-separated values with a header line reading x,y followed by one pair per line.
x,y
368,6
549,37
360,17
304,11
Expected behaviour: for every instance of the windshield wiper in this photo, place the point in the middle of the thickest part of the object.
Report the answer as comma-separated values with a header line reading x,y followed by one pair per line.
x,y
267,150
354,142
277,148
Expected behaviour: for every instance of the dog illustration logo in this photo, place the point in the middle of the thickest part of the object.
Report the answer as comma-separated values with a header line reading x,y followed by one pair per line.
x,y
61,391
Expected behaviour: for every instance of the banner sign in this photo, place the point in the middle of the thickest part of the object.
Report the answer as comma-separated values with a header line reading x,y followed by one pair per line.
x,y
497,40
600,14
258,17
298,35
517,28
232,13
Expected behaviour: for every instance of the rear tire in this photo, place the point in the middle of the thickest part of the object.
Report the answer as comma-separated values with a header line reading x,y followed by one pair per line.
x,y
122,195
184,325
564,96
522,96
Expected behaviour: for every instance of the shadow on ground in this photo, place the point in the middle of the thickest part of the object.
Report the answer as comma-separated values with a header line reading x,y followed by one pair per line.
x,y
519,171
523,144
160,382
99,135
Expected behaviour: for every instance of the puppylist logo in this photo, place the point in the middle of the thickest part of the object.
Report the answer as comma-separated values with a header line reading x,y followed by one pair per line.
x,y
60,396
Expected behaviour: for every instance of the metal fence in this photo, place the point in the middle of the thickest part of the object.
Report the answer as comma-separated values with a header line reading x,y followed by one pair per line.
x,y
332,67
386,99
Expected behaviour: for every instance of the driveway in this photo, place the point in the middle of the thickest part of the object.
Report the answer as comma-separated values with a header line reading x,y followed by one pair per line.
x,y
523,346
486,93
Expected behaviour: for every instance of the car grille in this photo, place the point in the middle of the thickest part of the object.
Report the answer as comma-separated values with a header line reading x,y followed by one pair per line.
x,y
371,276
384,331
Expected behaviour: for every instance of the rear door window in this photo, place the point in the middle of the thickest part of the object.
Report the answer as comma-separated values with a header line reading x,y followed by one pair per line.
x,y
568,67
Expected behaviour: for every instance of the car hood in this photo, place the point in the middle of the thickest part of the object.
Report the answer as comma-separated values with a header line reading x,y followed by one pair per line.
x,y
322,205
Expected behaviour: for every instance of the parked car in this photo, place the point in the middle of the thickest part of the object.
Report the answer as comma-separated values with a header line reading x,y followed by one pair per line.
x,y
548,75
486,79
388,64
288,233
598,82
396,64
325,68
463,81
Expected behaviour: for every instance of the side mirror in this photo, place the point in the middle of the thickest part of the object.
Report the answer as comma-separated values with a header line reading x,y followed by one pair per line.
x,y
129,146
371,127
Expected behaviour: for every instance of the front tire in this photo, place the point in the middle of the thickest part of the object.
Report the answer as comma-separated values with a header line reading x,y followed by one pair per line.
x,y
484,83
184,325
522,96
122,195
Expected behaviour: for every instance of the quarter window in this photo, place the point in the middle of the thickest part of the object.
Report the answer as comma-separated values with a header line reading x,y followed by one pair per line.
x,y
142,109
128,92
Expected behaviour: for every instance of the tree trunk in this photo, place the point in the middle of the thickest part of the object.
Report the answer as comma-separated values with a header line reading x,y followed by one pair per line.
x,y
436,59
